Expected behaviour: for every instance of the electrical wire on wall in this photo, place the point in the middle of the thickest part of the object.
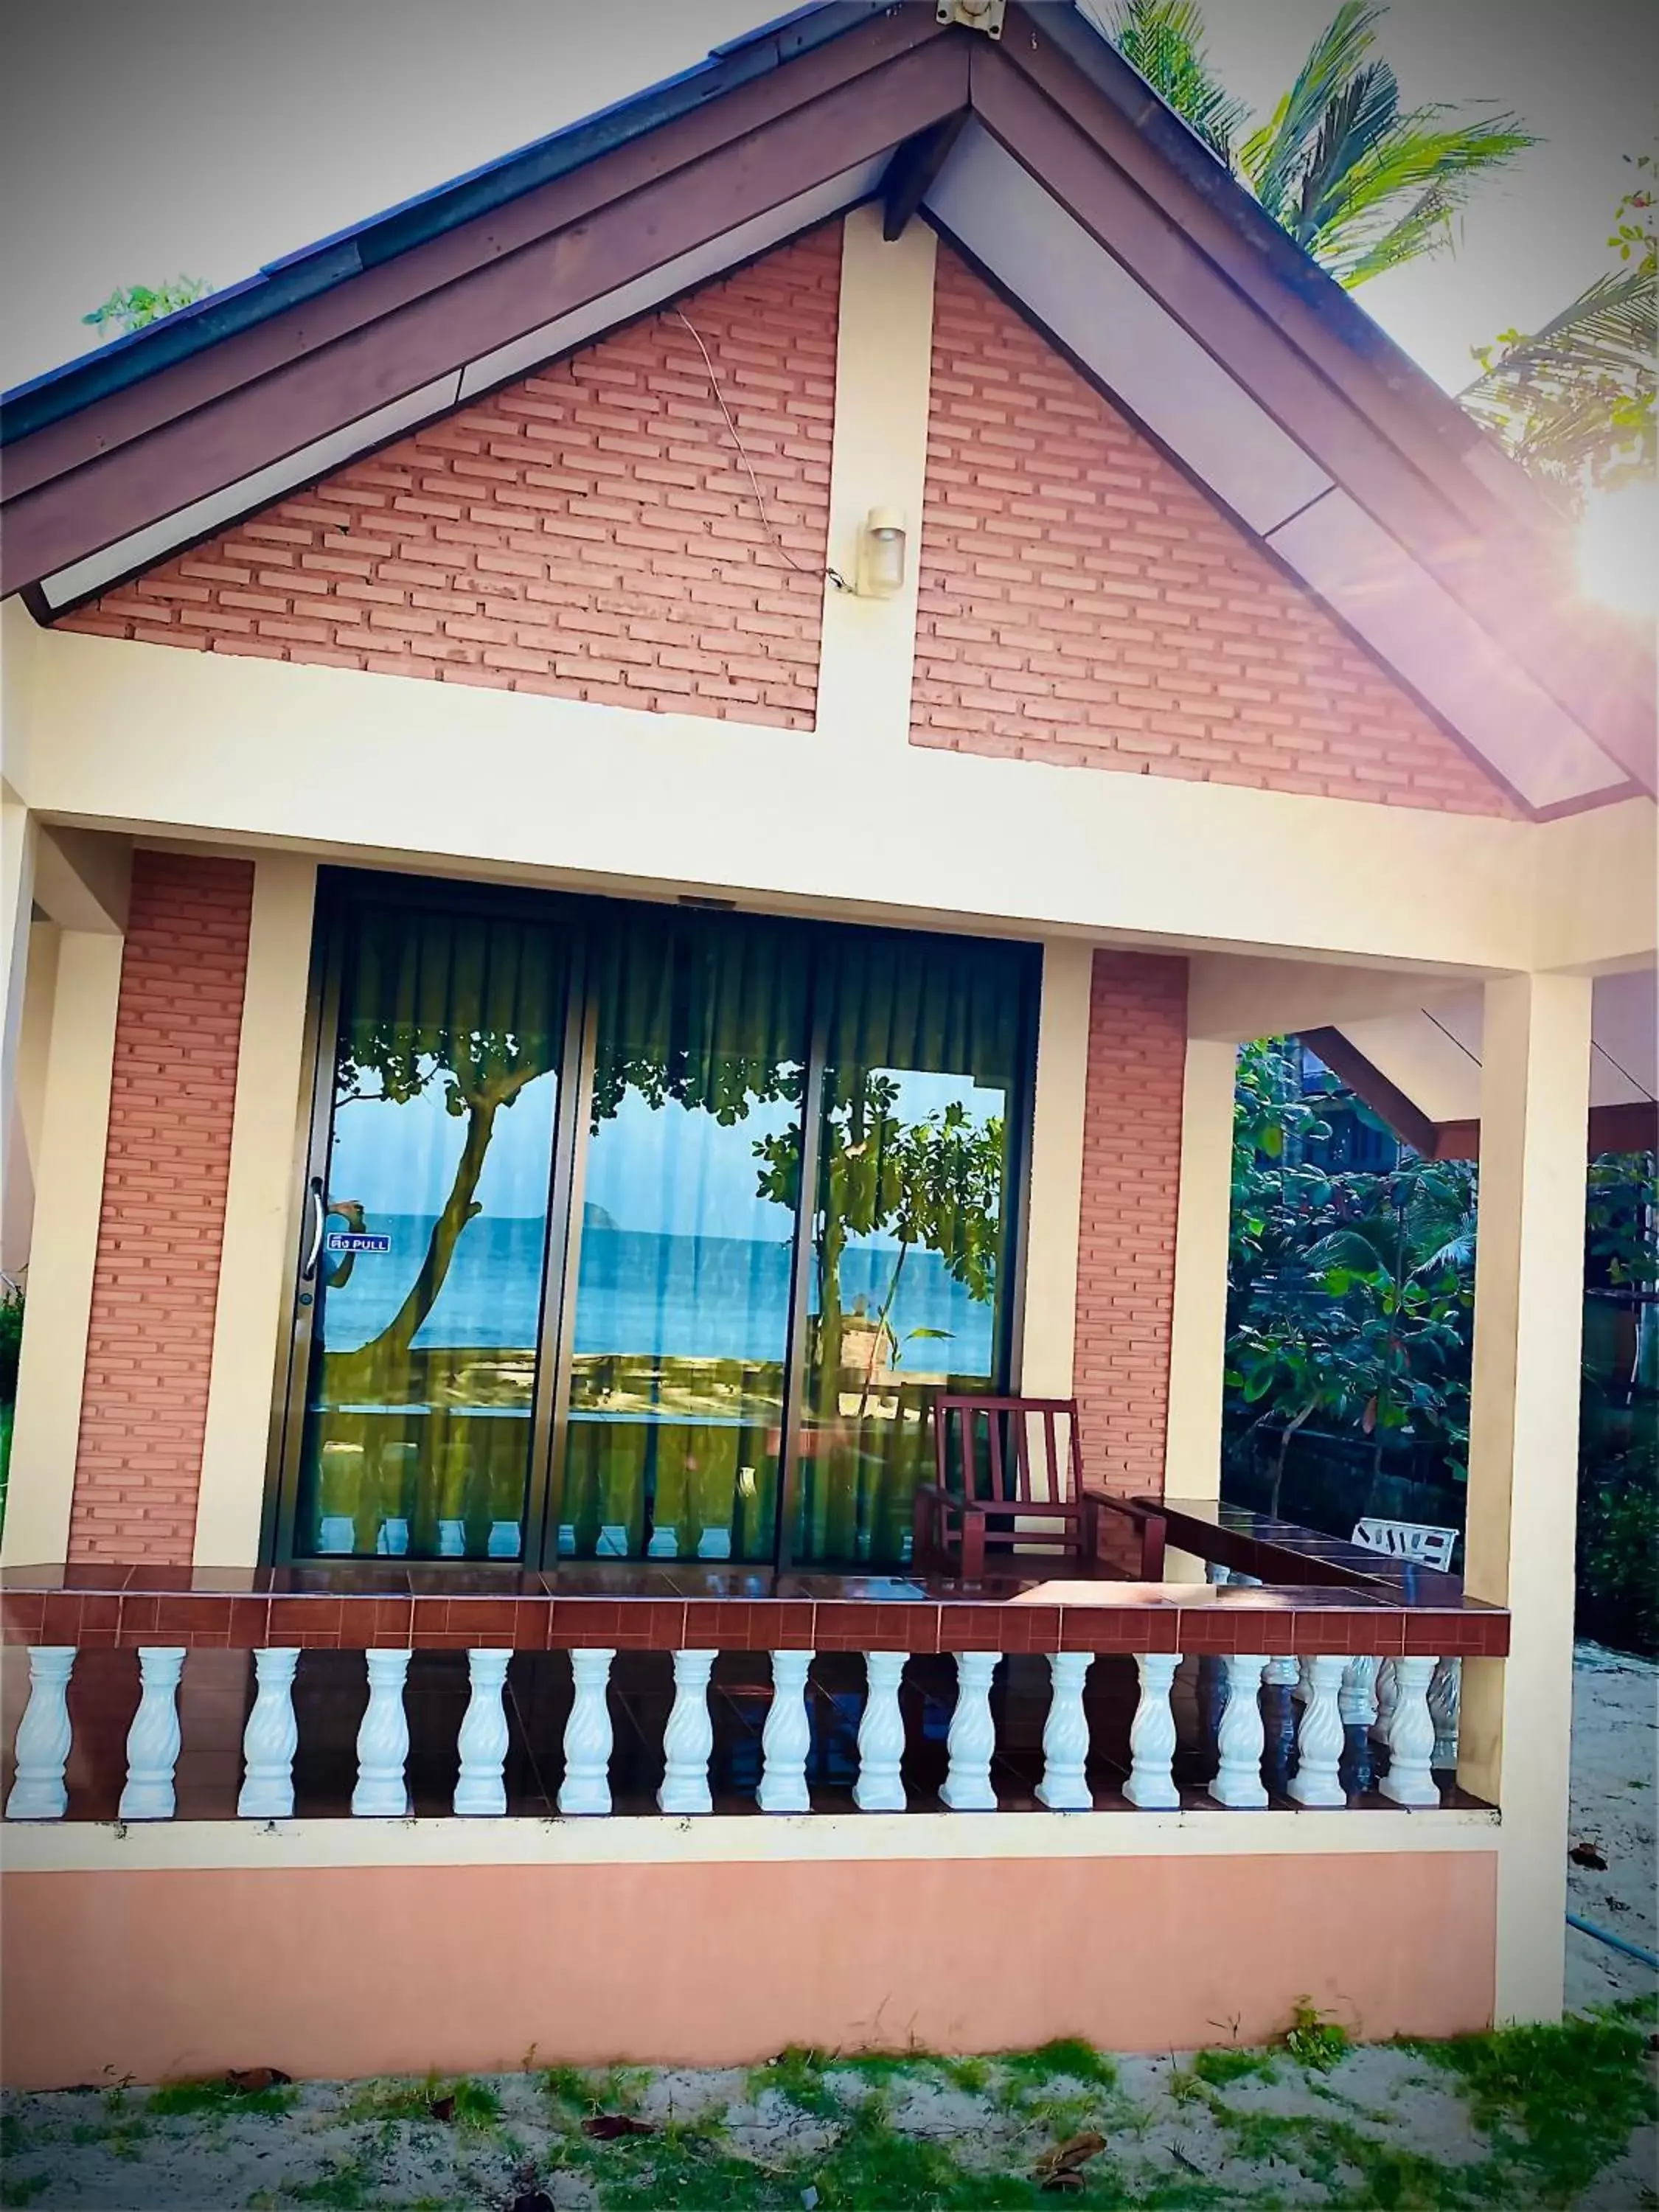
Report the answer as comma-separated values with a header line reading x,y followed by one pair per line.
x,y
804,568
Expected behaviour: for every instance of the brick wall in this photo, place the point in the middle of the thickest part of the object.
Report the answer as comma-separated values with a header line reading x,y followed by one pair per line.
x,y
589,533
1081,603
150,1340
1131,1175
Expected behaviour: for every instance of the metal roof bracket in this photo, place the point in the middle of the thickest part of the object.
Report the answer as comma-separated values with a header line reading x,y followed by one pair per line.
x,y
975,14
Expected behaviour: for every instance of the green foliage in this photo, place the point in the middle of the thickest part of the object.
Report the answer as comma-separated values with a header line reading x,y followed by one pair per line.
x,y
799,2075
1351,1294
1224,2065
1164,41
1617,1561
130,306
1576,2091
1360,183
11,1341
1574,401
176,2098
1313,2039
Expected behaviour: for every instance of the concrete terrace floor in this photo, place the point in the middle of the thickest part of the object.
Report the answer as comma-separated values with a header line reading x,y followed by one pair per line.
x,y
1537,2117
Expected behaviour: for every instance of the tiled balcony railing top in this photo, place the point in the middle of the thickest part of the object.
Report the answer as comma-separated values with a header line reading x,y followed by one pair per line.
x,y
388,1604
1279,1551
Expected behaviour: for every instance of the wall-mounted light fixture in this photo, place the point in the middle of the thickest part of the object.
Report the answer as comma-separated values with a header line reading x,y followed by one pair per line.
x,y
881,553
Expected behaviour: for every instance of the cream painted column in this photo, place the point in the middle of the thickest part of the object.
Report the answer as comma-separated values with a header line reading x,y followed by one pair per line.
x,y
1054,1209
255,1264
883,361
67,1201
1524,1458
1192,1456
18,833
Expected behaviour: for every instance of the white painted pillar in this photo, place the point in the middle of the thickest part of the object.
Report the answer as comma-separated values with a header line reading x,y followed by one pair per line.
x,y
1151,1785
382,1791
1410,1780
689,1738
880,1785
1387,1696
43,1737
481,1786
1192,1456
152,1739
973,1737
587,1736
786,1737
1239,1741
1523,1459
1053,1207
1065,1784
270,1739
1319,1738
1357,1699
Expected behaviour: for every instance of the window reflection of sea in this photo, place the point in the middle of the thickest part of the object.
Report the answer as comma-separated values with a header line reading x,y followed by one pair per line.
x,y
692,1298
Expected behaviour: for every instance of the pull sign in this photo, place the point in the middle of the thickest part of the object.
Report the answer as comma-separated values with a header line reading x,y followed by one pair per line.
x,y
355,1240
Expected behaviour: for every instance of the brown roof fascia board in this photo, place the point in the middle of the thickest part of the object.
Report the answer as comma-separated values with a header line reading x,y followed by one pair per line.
x,y
1633,1128
1488,573
913,168
389,284
496,301
1367,1081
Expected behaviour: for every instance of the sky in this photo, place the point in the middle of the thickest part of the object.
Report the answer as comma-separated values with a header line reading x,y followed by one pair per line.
x,y
140,138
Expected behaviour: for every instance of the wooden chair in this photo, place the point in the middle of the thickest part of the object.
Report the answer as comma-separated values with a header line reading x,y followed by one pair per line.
x,y
992,1506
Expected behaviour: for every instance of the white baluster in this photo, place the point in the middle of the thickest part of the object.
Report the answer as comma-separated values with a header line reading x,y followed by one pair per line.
x,y
504,1540
270,1740
1445,1698
787,1738
1065,1784
1387,1696
880,1785
480,1787
1357,1701
1283,1673
586,1784
43,1737
1301,1689
382,1791
452,1540
715,1543
1319,1738
1239,1741
689,1738
1150,1784
152,1739
973,1737
1409,1780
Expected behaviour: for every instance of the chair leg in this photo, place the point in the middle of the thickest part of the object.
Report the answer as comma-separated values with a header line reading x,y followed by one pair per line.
x,y
973,1548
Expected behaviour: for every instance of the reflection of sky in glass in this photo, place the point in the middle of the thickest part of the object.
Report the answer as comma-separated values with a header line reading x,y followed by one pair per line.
x,y
402,1159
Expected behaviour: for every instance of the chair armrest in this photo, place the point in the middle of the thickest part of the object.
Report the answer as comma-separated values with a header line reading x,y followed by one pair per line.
x,y
1145,1517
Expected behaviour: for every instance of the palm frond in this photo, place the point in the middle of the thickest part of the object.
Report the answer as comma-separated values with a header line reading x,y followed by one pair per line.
x,y
1577,396
1164,41
1396,200
1273,157
1357,119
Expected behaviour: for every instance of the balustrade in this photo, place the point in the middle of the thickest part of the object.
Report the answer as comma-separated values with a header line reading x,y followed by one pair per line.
x,y
1316,1750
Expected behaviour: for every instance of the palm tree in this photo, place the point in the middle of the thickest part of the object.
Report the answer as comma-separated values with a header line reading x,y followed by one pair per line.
x,y
1361,184
1574,401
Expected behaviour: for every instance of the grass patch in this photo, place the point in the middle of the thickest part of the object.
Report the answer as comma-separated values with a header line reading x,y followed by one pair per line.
x,y
176,2098
344,2186
1575,2092
799,2075
21,2188
1313,2039
1067,2059
1227,2063
471,2107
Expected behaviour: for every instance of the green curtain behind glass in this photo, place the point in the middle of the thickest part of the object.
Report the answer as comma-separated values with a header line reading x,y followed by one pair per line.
x,y
444,1088
681,1321
923,1090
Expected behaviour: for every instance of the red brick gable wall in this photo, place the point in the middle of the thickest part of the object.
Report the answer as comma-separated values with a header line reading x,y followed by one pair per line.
x,y
589,533
1082,603
149,1342
1131,1181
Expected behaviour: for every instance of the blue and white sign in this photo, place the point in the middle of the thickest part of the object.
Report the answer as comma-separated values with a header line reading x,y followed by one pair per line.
x,y
356,1240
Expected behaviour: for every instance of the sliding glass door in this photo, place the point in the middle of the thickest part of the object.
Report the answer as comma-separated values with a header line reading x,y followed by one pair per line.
x,y
641,1232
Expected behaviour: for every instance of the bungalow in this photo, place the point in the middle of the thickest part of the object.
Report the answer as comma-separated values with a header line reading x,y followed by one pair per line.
x,y
645,800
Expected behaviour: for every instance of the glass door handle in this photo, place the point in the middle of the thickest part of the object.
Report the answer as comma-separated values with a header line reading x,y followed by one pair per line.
x,y
320,1215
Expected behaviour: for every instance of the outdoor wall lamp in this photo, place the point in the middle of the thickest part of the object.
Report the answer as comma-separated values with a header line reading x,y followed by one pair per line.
x,y
881,553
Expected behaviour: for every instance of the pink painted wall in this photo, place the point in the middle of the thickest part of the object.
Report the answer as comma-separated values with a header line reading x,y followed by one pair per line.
x,y
348,1971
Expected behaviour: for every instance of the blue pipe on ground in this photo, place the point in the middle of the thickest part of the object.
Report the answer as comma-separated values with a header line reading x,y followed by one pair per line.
x,y
1617,1942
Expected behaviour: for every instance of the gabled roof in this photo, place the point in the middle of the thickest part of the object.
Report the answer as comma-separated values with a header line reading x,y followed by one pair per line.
x,y
1050,163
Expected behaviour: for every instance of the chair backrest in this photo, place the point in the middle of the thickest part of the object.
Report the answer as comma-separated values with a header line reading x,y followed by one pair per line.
x,y
1408,1540
1020,1451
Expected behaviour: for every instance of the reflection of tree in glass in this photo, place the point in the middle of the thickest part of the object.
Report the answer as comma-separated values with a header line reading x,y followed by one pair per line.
x,y
480,1072
936,1182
